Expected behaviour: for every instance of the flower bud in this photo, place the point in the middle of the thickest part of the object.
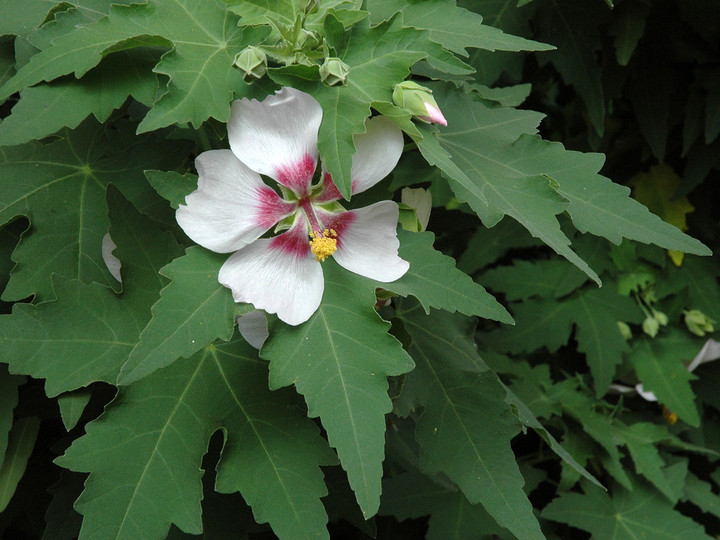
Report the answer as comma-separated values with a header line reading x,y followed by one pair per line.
x,y
650,326
418,101
419,200
625,331
660,317
334,72
698,323
252,62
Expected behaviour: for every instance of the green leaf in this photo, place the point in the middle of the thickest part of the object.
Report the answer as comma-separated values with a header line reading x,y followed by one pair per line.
x,y
272,453
8,400
626,515
193,310
552,278
574,29
434,280
699,276
88,333
62,522
172,186
487,245
701,495
411,495
476,138
339,360
72,404
466,427
60,187
628,27
658,364
46,108
21,442
379,58
204,36
451,26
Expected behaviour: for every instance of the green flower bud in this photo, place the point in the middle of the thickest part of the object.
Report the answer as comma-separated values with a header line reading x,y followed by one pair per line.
x,y
698,323
252,62
334,72
650,326
418,101
625,331
660,317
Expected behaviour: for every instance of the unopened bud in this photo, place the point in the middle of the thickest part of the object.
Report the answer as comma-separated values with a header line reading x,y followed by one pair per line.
x,y
418,101
625,331
698,323
660,317
650,326
334,72
419,200
252,62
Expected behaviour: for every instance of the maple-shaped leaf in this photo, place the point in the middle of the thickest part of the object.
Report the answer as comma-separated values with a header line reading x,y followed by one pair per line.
x,y
89,331
193,310
271,456
623,515
509,170
466,426
453,27
204,38
700,278
378,57
412,495
45,108
700,493
60,187
659,365
339,360
656,189
434,280
548,323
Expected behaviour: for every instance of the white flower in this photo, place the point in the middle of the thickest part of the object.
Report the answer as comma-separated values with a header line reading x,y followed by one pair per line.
x,y
232,207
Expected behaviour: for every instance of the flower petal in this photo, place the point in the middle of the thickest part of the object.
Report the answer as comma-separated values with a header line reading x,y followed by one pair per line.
x,y
279,275
278,136
111,261
253,327
367,241
377,152
231,206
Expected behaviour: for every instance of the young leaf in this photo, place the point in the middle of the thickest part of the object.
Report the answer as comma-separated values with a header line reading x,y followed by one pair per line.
x,y
87,334
466,427
272,453
193,310
434,280
339,360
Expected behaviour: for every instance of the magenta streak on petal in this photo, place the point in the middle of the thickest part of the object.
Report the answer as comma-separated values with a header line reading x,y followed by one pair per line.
x,y
330,192
307,207
339,222
293,242
297,176
271,208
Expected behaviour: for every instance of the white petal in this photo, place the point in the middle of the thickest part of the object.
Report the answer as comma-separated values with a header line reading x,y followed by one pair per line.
x,y
111,261
367,240
377,152
231,206
279,275
647,396
277,137
709,353
253,327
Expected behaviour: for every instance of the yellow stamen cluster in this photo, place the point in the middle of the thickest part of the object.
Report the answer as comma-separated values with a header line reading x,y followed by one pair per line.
x,y
323,245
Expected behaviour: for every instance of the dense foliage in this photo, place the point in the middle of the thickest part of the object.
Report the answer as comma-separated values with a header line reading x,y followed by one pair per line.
x,y
530,375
